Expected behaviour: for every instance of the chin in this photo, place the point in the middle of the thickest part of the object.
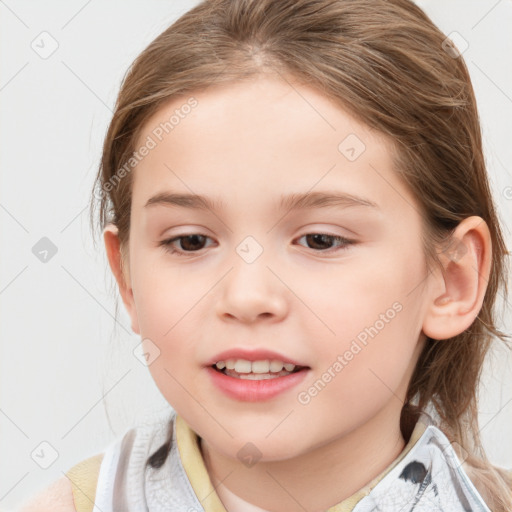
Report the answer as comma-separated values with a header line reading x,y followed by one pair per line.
x,y
257,444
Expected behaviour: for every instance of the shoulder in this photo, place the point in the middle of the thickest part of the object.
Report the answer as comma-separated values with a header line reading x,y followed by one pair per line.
x,y
58,497
73,492
76,491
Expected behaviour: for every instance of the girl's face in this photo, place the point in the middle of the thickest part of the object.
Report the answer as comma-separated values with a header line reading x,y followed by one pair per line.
x,y
306,250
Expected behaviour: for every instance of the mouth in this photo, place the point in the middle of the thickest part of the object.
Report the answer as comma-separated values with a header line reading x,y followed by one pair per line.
x,y
254,375
264,369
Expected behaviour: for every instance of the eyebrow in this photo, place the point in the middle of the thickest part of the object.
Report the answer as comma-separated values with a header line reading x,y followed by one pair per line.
x,y
296,201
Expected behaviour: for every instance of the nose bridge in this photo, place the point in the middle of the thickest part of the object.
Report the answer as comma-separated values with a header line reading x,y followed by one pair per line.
x,y
250,250
250,289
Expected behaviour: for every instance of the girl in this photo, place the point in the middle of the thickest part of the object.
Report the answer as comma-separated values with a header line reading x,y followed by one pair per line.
x,y
295,206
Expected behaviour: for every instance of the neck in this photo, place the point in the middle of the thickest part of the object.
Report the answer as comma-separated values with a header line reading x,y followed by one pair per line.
x,y
312,481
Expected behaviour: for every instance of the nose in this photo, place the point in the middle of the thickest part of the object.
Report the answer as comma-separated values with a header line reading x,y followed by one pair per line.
x,y
252,292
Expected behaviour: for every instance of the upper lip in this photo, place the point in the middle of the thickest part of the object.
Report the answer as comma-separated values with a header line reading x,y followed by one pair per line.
x,y
251,355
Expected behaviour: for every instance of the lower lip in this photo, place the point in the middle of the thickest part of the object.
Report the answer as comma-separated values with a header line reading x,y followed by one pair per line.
x,y
255,390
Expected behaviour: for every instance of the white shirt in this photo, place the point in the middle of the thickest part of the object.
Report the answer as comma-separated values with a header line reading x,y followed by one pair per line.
x,y
428,478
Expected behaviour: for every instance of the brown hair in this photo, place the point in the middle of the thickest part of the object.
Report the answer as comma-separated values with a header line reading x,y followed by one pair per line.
x,y
387,64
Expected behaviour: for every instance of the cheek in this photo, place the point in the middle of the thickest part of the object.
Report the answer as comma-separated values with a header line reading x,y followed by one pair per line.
x,y
372,323
165,303
347,299
165,325
361,374
164,293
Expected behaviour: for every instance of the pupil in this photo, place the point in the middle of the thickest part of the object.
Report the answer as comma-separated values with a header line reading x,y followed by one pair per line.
x,y
315,238
194,238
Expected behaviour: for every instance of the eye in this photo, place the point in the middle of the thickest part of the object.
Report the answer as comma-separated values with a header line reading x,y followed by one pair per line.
x,y
322,242
194,242
191,243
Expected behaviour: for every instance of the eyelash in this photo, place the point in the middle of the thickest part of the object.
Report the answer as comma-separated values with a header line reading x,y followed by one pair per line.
x,y
167,244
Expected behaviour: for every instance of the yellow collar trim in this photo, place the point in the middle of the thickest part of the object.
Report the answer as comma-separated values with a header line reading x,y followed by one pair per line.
x,y
193,464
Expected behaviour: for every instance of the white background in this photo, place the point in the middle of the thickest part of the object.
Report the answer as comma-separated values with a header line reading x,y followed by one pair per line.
x,y
68,374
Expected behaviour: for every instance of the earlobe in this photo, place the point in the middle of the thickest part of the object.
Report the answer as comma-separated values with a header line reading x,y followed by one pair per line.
x,y
120,271
459,289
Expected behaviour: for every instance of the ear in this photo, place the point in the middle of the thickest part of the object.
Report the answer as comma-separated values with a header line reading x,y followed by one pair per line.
x,y
119,268
460,287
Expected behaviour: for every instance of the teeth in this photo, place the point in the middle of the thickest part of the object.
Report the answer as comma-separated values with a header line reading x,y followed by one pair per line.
x,y
276,366
256,376
261,366
244,366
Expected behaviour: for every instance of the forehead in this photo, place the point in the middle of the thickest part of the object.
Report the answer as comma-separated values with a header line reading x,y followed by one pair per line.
x,y
256,109
261,134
